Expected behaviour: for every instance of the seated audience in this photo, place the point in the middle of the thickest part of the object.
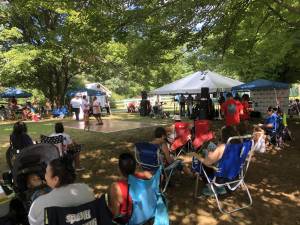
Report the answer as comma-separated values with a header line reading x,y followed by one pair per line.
x,y
160,139
68,144
259,139
35,187
120,203
19,138
212,156
271,123
60,177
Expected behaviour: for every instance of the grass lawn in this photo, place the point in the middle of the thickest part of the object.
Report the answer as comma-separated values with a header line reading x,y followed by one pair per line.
x,y
273,177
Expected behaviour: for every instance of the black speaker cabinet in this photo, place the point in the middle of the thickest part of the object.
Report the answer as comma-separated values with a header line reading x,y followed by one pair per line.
x,y
205,92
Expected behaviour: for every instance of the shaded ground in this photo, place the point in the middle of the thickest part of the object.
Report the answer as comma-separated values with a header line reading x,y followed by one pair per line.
x,y
273,177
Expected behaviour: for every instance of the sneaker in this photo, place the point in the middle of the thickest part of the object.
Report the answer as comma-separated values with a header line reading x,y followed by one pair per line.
x,y
221,190
80,169
207,191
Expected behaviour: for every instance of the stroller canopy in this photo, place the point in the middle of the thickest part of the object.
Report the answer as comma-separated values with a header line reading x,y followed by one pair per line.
x,y
32,157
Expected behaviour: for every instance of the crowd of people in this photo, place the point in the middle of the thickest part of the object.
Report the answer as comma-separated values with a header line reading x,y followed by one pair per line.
x,y
60,189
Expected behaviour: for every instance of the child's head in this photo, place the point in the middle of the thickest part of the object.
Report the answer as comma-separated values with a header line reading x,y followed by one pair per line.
x,y
257,132
33,181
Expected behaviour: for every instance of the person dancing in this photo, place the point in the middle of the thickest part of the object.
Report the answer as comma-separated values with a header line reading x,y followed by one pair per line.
x,y
86,113
97,111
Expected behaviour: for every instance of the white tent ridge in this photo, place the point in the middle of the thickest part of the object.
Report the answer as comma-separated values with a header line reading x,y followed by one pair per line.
x,y
193,83
99,87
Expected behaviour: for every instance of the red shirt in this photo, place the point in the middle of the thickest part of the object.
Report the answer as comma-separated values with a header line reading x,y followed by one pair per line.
x,y
126,205
232,109
245,115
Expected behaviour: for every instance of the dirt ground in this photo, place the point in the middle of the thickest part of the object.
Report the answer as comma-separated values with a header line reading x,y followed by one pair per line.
x,y
273,180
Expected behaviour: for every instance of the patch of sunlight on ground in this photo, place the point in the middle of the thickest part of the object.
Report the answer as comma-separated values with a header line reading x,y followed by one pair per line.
x,y
5,145
113,160
101,187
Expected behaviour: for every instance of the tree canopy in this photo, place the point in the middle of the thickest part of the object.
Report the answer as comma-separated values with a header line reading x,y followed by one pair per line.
x,y
135,45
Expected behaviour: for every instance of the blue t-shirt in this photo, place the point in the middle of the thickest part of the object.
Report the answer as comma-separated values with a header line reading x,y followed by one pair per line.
x,y
272,120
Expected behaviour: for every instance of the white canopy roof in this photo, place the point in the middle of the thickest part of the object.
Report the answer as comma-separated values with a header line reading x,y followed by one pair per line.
x,y
193,83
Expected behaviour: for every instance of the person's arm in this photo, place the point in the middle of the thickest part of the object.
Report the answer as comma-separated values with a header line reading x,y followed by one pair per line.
x,y
166,153
212,157
115,199
36,214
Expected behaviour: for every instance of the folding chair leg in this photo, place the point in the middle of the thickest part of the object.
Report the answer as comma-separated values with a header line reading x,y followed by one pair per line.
x,y
168,177
219,203
196,186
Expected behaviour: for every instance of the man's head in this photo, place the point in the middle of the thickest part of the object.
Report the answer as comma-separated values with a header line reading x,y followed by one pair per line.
x,y
229,95
84,97
270,110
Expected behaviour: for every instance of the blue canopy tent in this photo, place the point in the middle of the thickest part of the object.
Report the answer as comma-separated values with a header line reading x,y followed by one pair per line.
x,y
13,92
89,92
260,84
265,93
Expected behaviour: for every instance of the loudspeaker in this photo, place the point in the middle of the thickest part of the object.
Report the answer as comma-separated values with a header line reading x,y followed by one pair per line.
x,y
204,92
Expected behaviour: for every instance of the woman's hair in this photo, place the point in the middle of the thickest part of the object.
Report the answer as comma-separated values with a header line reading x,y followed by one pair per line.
x,y
64,170
19,128
227,132
257,128
84,97
59,128
94,98
245,97
127,164
159,132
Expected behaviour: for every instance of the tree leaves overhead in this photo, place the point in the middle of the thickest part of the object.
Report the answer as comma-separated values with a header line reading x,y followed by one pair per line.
x,y
142,44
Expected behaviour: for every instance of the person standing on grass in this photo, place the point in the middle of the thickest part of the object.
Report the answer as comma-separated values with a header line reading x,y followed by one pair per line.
x,y
97,111
75,104
182,101
232,110
246,108
86,112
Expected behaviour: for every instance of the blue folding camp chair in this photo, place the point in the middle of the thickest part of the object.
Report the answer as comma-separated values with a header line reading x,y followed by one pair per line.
x,y
231,169
148,156
148,201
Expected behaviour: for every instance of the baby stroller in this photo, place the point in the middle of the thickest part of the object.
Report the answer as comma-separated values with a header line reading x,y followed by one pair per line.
x,y
30,160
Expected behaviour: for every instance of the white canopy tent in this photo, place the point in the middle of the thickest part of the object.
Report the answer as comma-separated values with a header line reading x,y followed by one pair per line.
x,y
193,83
100,87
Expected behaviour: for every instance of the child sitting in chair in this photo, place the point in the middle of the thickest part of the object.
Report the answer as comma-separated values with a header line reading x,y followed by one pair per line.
x,y
35,187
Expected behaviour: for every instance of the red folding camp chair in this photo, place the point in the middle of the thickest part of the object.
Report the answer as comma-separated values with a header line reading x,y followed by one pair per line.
x,y
182,139
202,133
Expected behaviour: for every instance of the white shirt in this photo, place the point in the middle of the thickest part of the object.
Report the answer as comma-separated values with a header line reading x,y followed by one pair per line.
x,y
85,105
75,103
96,107
67,139
66,196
